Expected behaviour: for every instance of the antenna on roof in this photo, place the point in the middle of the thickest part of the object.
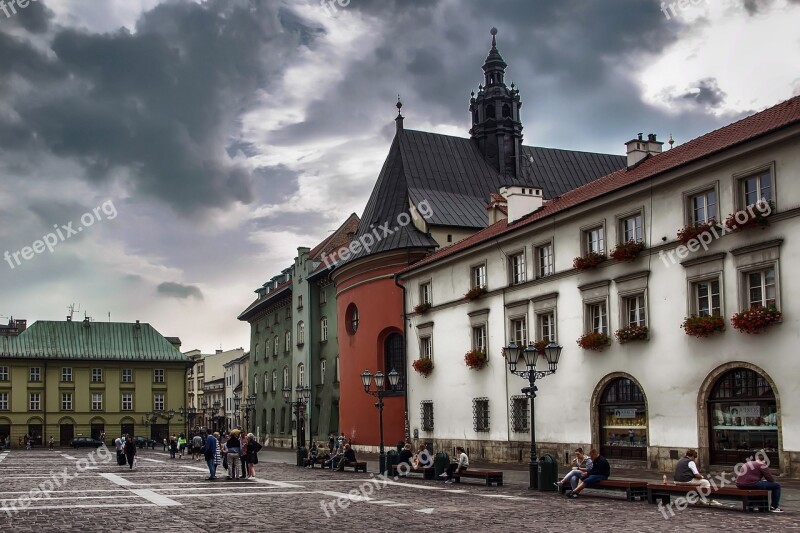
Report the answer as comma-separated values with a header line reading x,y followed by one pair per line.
x,y
72,311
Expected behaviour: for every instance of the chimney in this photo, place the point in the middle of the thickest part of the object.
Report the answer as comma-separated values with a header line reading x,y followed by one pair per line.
x,y
22,325
497,208
639,148
137,326
219,350
522,200
86,323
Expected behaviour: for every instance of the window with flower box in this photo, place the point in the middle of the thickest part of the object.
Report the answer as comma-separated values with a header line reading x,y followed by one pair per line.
x,y
702,207
425,293
479,338
597,317
519,331
594,240
635,310
631,228
755,186
426,347
761,288
706,299
546,326
478,276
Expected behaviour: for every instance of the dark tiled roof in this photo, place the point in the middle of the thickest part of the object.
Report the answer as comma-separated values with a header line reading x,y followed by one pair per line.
x,y
284,289
341,237
97,341
773,119
457,182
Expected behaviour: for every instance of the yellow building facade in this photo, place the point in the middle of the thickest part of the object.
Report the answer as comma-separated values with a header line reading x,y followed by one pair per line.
x,y
93,379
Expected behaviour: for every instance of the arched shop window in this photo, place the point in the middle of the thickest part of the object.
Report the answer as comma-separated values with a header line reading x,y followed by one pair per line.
x,y
743,417
623,421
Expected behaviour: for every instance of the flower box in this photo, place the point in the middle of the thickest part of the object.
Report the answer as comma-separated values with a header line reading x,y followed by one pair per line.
x,y
749,218
475,293
594,341
421,309
424,366
690,232
588,261
627,251
631,333
541,345
703,326
475,359
756,319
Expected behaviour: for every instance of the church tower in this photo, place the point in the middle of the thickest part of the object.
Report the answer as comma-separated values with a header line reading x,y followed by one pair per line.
x,y
496,125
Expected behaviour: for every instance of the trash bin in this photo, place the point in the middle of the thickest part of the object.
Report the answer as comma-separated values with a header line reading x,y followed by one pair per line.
x,y
392,458
302,453
548,473
440,463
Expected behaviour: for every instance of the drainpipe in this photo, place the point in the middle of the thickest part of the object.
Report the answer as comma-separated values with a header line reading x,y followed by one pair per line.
x,y
407,428
309,366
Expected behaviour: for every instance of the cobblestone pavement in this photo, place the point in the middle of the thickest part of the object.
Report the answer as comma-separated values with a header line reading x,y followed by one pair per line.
x,y
161,494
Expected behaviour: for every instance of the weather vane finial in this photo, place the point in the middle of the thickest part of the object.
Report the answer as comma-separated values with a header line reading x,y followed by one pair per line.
x,y
399,104
493,31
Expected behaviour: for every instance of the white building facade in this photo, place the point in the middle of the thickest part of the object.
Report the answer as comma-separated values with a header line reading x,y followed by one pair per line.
x,y
644,401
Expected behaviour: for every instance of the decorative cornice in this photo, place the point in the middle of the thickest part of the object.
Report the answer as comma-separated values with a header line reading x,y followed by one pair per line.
x,y
633,275
543,297
594,285
774,243
704,259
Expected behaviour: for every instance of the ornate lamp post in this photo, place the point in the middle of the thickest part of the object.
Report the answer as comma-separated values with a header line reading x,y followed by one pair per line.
x,y
532,357
379,392
206,413
216,418
250,405
188,415
298,406
236,404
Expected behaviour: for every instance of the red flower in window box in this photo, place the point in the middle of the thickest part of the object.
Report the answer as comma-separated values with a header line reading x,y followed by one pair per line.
x,y
631,333
594,341
755,216
588,261
627,251
475,293
690,232
756,319
424,366
475,359
421,309
540,345
703,326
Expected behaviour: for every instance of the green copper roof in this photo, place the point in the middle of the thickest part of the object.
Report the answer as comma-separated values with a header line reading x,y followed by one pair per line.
x,y
91,341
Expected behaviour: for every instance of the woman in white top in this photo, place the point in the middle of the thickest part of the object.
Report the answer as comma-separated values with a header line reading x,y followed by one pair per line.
x,y
455,468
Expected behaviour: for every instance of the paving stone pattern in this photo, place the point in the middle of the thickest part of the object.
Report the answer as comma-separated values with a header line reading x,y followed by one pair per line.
x,y
161,494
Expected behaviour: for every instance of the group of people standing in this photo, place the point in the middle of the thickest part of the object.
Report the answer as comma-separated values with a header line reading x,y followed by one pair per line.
x,y
231,450
126,451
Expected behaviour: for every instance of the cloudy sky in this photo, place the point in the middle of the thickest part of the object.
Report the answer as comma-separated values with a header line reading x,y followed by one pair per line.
x,y
202,142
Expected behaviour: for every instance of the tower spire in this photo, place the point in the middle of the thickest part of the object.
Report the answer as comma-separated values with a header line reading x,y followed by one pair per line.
x,y
399,119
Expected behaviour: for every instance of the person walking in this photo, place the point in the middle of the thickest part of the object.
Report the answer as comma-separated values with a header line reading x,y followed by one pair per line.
x,y
51,442
130,451
253,447
120,447
181,445
173,447
197,446
234,450
211,453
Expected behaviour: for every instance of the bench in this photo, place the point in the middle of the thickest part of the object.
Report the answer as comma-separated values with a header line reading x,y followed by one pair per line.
x,y
753,500
317,461
357,466
491,476
426,471
634,490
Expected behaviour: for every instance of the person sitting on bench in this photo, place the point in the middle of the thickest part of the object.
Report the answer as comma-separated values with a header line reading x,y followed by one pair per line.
x,y
581,464
455,468
422,458
312,455
335,457
686,471
751,475
348,458
600,471
405,456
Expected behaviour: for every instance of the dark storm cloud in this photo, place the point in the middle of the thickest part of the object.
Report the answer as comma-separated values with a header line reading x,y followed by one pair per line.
x,y
706,93
157,104
275,184
432,52
35,17
178,290
307,222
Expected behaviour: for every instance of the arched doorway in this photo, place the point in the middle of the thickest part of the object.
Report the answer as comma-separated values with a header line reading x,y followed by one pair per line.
x,y
35,430
622,420
126,426
743,417
66,431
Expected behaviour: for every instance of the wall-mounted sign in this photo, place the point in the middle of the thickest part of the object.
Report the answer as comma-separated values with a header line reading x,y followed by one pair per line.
x,y
746,411
625,413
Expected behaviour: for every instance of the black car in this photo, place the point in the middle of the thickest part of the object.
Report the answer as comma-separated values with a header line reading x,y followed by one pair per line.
x,y
142,442
85,442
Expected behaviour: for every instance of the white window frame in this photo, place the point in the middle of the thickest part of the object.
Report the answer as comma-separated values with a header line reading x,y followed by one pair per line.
x,y
480,338
623,221
544,256
597,316
4,401
546,329
425,294
97,375
286,377
66,374
287,341
127,372
34,401
158,375
639,312
97,401
274,380
301,333
426,347
127,399
518,330
593,239
695,298
322,368
688,202
35,374
517,268
4,374
757,174
158,399
323,329
762,270
66,401
477,276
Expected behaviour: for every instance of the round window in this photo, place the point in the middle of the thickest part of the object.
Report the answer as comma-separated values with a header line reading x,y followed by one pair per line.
x,y
351,319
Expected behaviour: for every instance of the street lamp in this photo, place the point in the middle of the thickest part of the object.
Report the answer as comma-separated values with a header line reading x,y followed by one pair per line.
x,y
379,392
206,412
531,358
188,415
250,404
236,403
298,406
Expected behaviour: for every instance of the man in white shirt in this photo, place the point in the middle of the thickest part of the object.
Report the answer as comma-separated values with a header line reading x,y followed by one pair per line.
x,y
455,468
686,471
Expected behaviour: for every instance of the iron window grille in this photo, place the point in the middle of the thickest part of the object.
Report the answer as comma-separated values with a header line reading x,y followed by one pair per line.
x,y
426,415
480,414
520,414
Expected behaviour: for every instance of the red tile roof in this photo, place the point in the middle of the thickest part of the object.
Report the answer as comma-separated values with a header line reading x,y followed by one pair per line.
x,y
750,128
337,239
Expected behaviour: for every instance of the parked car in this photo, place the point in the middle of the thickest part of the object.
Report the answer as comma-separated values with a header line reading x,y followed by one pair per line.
x,y
142,442
85,442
